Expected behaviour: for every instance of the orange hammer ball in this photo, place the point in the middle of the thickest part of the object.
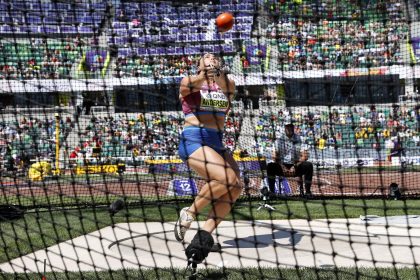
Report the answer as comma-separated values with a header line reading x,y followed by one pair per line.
x,y
224,22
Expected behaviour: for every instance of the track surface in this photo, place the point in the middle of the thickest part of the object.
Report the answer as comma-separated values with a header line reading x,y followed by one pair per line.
x,y
323,184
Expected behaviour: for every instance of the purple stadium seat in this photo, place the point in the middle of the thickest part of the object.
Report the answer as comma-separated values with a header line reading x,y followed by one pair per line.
x,y
69,19
227,7
227,48
210,48
193,37
18,6
141,39
121,40
207,15
193,50
68,29
6,29
34,29
33,19
63,6
121,31
123,52
132,39
161,50
85,29
87,19
48,29
172,16
241,7
117,25
141,51
181,37
171,50
179,50
50,20
99,6
164,38
172,37
152,17
97,17
46,6
7,19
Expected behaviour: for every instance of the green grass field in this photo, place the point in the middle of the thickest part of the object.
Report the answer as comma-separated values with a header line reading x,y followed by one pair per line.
x,y
41,228
237,274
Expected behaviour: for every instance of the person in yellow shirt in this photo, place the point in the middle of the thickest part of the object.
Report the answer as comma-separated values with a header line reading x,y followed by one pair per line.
x,y
321,143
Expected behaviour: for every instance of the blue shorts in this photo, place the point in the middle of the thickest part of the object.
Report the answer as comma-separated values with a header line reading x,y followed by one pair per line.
x,y
193,137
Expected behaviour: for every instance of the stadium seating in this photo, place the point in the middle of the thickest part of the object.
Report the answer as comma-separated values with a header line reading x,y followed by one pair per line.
x,y
362,128
37,18
339,35
157,66
157,28
160,39
157,135
39,59
33,137
163,22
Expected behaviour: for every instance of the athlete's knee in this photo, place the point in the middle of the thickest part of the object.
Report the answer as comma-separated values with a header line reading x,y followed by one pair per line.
x,y
236,190
229,179
230,185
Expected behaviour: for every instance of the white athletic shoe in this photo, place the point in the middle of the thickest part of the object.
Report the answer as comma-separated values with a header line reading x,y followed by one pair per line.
x,y
183,223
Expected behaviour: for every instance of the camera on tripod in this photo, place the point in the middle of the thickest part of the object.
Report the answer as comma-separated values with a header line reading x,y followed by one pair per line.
x,y
266,195
265,191
394,191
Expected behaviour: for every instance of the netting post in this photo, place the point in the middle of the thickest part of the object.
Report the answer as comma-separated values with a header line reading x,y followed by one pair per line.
x,y
57,144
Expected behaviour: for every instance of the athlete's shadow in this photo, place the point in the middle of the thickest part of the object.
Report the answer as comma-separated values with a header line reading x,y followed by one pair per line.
x,y
264,240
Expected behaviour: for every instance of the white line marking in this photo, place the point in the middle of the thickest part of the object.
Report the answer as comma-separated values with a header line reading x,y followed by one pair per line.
x,y
222,263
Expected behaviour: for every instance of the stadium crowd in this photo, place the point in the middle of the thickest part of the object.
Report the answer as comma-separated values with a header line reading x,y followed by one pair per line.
x,y
109,138
339,35
344,37
309,35
158,66
144,135
154,66
33,138
375,9
361,126
40,58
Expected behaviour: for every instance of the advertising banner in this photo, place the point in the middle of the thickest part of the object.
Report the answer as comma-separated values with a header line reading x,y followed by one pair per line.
x,y
416,46
182,187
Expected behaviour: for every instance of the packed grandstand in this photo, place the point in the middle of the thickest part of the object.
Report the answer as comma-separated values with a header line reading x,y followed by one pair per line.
x,y
92,116
74,56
